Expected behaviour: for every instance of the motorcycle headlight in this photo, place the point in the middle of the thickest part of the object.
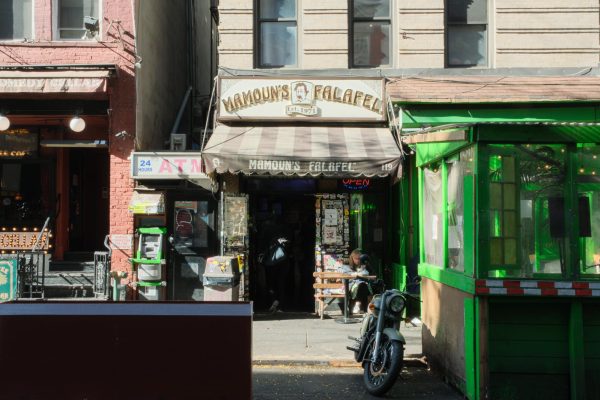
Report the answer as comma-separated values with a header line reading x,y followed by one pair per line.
x,y
396,304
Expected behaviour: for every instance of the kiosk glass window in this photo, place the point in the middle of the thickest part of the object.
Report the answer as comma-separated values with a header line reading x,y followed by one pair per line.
x,y
588,189
526,202
459,170
433,216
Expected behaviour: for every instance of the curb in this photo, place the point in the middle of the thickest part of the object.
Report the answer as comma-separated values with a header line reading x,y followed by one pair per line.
x,y
413,361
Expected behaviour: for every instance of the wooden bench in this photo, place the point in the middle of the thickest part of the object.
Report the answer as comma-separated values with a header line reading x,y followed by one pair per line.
x,y
324,283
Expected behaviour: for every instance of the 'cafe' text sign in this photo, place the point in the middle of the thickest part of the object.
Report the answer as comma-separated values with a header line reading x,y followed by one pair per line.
x,y
331,99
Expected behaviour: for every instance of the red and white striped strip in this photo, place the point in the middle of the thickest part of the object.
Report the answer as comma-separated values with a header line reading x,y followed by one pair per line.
x,y
537,288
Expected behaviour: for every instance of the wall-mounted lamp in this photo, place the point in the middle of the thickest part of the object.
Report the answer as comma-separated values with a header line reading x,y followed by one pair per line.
x,y
77,124
4,122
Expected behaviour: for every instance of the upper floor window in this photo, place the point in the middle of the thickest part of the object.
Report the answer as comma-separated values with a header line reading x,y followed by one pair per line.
x,y
466,33
371,33
16,19
78,19
277,33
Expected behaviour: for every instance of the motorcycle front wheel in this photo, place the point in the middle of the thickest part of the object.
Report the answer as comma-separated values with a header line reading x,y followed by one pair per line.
x,y
380,376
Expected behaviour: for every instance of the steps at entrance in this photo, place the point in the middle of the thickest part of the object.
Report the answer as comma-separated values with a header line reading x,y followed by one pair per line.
x,y
78,266
79,256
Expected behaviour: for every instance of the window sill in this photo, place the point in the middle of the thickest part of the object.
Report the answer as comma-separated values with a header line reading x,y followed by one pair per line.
x,y
60,43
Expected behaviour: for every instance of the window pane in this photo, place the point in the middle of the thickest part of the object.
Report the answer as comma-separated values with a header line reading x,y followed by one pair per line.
x,y
588,184
15,19
510,229
274,9
277,44
371,8
510,251
496,251
433,216
495,195
471,11
71,15
371,44
467,45
509,196
459,172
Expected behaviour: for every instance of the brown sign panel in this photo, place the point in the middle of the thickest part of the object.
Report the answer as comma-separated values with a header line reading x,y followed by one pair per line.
x,y
129,350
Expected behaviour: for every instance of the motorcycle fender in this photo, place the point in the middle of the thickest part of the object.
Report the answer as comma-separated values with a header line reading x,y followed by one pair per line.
x,y
394,335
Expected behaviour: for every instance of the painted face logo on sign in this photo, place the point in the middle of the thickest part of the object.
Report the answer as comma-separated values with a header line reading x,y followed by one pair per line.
x,y
303,93
303,99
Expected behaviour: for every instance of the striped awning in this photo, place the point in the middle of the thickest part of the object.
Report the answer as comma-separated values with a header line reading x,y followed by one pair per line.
x,y
303,150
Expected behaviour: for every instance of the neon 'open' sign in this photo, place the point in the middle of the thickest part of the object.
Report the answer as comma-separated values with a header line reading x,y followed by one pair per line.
x,y
356,184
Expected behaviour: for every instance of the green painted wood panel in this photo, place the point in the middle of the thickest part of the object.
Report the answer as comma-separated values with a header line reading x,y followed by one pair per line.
x,y
529,349
591,345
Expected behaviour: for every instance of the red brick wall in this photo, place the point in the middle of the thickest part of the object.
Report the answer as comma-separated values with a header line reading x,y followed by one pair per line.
x,y
108,50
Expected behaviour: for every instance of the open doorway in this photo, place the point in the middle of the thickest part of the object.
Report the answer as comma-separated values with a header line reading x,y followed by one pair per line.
x,y
88,201
295,215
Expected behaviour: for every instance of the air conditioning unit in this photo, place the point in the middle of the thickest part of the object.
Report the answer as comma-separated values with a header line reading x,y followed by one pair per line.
x,y
178,141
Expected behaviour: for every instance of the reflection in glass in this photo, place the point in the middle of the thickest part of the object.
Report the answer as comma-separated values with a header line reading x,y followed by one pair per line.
x,y
278,44
460,171
524,242
371,8
275,9
371,43
433,216
15,19
588,188
467,45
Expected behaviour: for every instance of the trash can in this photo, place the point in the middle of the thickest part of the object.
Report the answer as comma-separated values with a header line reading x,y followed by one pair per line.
x,y
221,279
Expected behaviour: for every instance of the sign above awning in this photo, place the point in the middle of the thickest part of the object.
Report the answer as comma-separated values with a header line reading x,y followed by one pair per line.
x,y
54,81
303,150
301,99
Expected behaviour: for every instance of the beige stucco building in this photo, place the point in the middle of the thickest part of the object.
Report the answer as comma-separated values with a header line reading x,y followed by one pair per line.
x,y
512,33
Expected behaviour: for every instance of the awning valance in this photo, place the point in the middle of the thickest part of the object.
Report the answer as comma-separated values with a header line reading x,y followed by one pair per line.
x,y
54,81
334,151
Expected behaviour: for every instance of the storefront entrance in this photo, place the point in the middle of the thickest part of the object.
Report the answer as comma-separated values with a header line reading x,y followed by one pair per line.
x,y
283,207
191,224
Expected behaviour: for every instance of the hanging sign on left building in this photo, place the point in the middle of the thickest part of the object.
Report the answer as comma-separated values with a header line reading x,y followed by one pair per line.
x,y
167,165
8,279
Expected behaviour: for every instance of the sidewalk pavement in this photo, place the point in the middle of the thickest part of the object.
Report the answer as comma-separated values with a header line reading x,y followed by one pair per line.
x,y
303,338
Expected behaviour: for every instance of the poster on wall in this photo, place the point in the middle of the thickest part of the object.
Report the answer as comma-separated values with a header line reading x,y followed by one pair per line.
x,y
332,231
8,280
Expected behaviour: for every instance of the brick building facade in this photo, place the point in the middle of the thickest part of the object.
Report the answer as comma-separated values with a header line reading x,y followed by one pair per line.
x,y
41,63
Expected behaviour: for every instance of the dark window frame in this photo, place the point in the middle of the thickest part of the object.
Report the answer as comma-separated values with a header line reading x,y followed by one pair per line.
x,y
352,20
448,23
258,20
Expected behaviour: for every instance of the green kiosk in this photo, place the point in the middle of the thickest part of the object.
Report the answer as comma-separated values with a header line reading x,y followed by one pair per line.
x,y
507,203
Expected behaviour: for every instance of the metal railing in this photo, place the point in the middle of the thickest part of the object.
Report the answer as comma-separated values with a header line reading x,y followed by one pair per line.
x,y
31,274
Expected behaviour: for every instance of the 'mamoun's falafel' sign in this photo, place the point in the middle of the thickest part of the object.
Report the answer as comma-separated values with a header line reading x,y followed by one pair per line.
x,y
332,99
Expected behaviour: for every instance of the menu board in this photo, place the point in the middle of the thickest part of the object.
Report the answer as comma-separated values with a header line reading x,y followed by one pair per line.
x,y
332,231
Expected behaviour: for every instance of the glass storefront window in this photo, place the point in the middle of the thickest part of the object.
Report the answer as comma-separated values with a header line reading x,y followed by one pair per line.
x,y
526,223
433,216
588,190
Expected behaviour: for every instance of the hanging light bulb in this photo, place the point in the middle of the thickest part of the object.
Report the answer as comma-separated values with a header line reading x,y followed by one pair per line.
x,y
77,124
4,122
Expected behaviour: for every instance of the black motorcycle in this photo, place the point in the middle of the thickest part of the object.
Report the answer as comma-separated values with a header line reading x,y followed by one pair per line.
x,y
380,347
